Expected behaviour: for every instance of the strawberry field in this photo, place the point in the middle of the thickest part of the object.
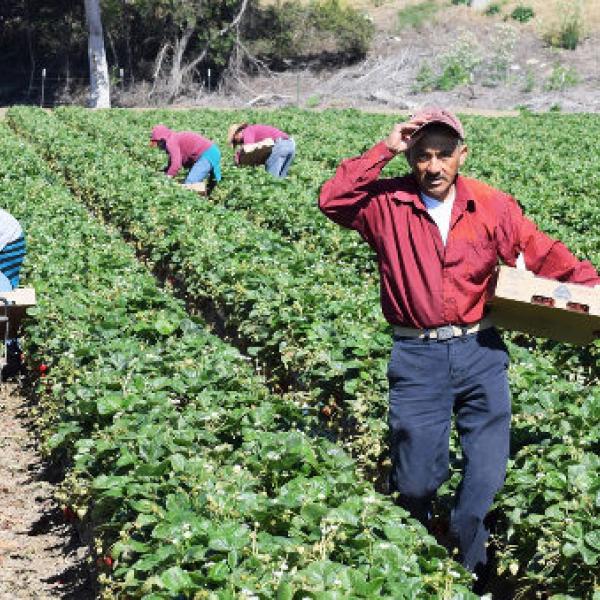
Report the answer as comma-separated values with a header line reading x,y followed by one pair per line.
x,y
216,382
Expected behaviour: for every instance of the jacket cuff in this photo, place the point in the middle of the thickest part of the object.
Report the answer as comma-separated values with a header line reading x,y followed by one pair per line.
x,y
379,152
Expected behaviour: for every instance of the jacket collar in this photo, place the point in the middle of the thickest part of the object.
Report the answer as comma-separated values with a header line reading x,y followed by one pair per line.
x,y
409,194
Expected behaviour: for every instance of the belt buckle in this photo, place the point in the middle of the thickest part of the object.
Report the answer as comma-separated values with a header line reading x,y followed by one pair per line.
x,y
445,333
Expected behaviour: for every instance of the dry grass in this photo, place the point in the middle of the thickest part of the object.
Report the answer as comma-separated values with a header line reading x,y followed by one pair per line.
x,y
550,12
553,10
547,12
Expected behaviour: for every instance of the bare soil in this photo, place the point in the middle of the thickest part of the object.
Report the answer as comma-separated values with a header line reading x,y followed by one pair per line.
x,y
41,556
387,78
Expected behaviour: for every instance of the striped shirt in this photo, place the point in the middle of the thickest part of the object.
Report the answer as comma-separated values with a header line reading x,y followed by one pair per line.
x,y
10,228
11,259
12,247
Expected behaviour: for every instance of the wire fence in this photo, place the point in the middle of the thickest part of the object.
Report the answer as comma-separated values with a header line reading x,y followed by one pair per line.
x,y
43,86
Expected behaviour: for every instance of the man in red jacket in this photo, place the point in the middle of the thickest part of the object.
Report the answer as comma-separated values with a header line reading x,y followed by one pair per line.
x,y
438,236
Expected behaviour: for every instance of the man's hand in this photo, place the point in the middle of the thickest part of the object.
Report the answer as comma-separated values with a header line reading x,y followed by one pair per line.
x,y
400,138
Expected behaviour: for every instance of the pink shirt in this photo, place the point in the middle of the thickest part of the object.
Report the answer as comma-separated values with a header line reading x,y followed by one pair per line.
x,y
185,148
258,133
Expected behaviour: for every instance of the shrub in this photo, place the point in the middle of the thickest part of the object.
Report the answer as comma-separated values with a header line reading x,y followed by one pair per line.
x,y
493,9
313,101
502,44
561,78
522,13
426,79
352,29
569,31
457,67
415,15
529,83
291,32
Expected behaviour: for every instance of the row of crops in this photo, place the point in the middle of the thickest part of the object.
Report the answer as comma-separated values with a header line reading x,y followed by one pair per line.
x,y
199,468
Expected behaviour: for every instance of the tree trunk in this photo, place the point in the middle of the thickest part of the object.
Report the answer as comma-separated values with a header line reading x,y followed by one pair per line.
x,y
30,49
176,75
99,82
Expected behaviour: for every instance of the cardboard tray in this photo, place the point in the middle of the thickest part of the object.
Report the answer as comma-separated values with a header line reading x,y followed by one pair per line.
x,y
19,300
19,297
566,312
255,154
199,188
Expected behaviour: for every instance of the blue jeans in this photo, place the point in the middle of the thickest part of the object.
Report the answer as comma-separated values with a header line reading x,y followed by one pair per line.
x,y
281,157
430,380
209,162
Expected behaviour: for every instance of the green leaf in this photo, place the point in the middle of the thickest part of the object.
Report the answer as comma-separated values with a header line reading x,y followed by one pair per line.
x,y
176,580
164,325
593,539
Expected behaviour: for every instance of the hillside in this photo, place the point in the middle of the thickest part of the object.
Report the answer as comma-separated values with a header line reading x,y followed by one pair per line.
x,y
429,51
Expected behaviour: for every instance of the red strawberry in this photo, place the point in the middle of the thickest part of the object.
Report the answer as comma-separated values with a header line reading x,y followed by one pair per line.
x,y
69,514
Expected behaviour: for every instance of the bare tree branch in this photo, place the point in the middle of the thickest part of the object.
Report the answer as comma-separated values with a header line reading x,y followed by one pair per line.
x,y
194,63
160,57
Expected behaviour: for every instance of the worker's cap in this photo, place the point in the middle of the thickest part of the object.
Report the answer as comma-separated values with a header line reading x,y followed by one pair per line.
x,y
432,114
233,129
160,132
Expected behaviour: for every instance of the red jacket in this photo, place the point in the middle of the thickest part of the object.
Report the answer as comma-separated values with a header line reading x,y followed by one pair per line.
x,y
423,283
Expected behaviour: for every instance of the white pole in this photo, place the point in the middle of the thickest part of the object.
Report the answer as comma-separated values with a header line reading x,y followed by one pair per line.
x,y
43,86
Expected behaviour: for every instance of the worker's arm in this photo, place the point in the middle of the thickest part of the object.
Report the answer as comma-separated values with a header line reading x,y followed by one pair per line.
x,y
543,255
345,197
174,153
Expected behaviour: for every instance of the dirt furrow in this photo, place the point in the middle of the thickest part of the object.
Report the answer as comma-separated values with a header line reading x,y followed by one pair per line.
x,y
41,556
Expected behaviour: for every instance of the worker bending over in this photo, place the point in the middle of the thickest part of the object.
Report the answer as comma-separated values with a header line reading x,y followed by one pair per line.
x,y
190,150
284,149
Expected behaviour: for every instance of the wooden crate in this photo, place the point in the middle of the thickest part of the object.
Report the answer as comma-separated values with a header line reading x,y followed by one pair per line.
x,y
566,312
256,154
19,300
199,188
19,297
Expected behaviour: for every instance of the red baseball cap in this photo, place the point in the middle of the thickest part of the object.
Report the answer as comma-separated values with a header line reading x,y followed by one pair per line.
x,y
433,114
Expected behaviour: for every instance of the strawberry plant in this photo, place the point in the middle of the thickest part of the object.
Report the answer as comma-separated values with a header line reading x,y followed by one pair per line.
x,y
192,477
301,297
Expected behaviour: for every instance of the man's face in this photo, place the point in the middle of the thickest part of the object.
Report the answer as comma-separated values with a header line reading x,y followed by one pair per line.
x,y
435,159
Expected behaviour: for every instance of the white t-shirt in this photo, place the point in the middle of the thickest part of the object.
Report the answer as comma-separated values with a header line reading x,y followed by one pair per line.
x,y
440,212
10,229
